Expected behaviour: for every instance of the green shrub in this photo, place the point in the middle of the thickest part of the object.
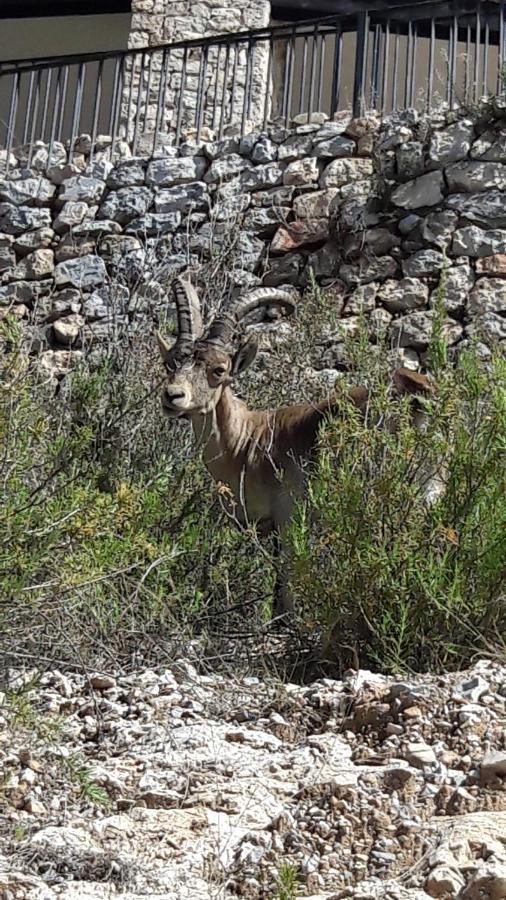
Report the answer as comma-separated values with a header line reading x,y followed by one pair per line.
x,y
112,542
114,547
395,582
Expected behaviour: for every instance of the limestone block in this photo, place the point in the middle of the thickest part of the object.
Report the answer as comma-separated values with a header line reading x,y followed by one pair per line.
x,y
406,294
314,205
343,171
458,285
415,330
488,208
490,327
70,215
33,240
126,175
427,190
264,151
126,204
452,143
410,159
226,168
301,172
82,189
169,172
153,224
487,296
182,198
19,219
422,263
475,241
473,176
266,176
334,148
301,233
85,272
35,266
29,191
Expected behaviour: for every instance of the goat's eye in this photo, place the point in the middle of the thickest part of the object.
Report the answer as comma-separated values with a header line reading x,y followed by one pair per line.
x,y
219,371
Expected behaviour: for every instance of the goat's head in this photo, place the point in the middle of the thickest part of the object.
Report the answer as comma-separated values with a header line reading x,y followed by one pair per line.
x,y
202,362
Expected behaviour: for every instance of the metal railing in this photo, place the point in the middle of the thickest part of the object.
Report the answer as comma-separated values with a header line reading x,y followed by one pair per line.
x,y
417,56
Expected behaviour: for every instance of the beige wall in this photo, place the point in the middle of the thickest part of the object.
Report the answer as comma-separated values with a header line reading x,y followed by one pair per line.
x,y
55,35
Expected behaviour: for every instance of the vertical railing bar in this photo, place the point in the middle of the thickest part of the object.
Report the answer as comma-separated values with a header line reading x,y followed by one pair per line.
x,y
63,103
245,100
114,94
485,58
302,92
384,78
56,109
336,70
96,108
321,71
500,52
448,65
133,68
117,108
76,116
430,72
408,61
224,92
285,79
13,108
395,70
162,86
290,77
467,69
137,119
234,81
45,108
215,101
455,47
360,63
374,69
477,52
201,91
181,96
250,80
148,91
267,87
312,74
35,114
28,108
412,80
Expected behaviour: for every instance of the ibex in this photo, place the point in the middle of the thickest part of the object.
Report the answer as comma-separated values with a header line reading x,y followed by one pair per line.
x,y
258,454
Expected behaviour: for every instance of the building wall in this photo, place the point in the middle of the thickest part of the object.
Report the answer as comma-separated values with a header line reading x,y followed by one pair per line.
x,y
56,35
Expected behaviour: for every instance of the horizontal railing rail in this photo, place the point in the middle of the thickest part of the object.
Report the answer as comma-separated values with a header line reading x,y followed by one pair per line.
x,y
417,56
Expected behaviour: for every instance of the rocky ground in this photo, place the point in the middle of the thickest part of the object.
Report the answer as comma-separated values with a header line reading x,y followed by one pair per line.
x,y
174,784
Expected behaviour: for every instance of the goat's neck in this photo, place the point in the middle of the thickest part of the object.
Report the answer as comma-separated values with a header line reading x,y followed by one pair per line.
x,y
226,430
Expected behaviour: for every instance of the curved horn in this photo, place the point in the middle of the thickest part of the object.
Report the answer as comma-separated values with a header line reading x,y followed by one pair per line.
x,y
224,326
189,317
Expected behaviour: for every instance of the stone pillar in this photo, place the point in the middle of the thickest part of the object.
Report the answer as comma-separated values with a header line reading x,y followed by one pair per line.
x,y
162,22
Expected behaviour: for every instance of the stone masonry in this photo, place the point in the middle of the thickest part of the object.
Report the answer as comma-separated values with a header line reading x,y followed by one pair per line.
x,y
158,22
376,210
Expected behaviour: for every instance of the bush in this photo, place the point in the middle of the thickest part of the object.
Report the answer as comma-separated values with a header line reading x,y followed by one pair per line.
x,y
395,582
114,548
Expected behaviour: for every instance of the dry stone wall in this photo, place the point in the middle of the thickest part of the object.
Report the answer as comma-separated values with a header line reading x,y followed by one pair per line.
x,y
376,210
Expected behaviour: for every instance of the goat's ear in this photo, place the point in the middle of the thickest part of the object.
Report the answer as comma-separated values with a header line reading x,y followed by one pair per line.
x,y
244,356
164,347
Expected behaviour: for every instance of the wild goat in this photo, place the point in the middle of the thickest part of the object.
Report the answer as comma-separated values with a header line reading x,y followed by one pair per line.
x,y
258,454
